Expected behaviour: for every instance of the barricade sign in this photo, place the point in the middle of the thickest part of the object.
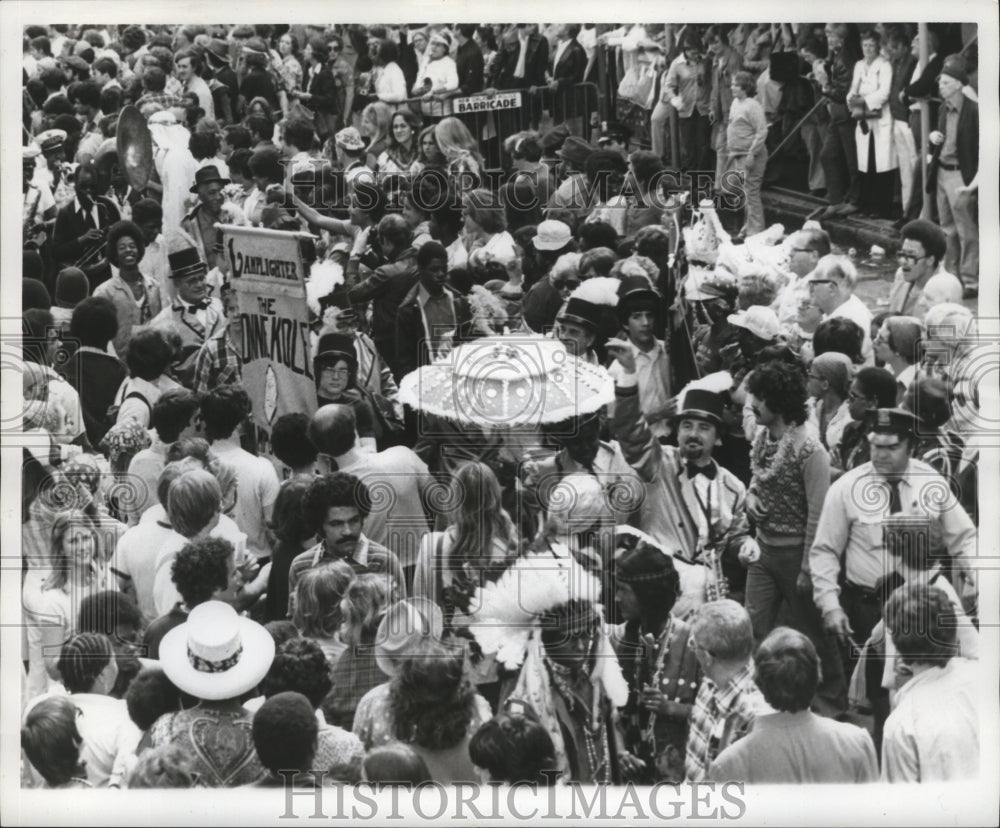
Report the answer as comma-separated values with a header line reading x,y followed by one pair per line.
x,y
487,103
268,274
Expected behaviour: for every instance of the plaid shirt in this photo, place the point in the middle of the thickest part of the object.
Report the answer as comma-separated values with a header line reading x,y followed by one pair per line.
x,y
719,718
354,674
218,363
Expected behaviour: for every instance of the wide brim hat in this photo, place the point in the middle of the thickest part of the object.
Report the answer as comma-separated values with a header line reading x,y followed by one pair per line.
x,y
403,626
208,174
186,262
759,320
552,235
218,50
576,150
216,654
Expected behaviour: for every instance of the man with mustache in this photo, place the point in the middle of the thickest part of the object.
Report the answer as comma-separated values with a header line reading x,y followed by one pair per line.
x,y
336,507
692,506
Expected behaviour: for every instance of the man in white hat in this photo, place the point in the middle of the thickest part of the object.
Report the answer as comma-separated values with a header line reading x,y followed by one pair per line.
x,y
217,657
350,156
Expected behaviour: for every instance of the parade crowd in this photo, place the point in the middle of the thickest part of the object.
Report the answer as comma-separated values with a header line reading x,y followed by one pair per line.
x,y
735,539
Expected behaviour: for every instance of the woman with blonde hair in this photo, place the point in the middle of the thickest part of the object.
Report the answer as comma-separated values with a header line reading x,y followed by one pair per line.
x,y
460,150
376,129
316,609
50,611
357,671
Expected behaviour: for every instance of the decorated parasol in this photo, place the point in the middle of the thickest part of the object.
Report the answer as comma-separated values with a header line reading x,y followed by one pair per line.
x,y
508,382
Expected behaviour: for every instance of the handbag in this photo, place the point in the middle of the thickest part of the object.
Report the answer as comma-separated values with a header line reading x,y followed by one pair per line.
x,y
638,85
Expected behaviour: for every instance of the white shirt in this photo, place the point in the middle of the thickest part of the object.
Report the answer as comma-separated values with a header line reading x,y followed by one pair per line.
x,y
135,558
933,734
522,56
257,490
653,372
200,88
560,48
109,737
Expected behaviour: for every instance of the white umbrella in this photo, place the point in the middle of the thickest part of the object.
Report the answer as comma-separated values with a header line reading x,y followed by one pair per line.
x,y
508,382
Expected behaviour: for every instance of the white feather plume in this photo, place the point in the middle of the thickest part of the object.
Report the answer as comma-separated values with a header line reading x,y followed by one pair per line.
x,y
601,290
323,278
505,611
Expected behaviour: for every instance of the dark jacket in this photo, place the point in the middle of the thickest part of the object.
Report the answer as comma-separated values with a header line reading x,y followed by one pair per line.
x,y
471,66
96,378
323,89
541,305
225,86
568,102
386,288
902,69
412,349
67,248
258,84
924,86
967,142
840,71
505,62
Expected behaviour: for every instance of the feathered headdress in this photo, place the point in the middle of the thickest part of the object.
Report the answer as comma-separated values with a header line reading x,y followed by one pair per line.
x,y
600,290
323,278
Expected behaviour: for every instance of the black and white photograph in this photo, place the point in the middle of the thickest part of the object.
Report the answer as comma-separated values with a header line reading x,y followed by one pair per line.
x,y
471,420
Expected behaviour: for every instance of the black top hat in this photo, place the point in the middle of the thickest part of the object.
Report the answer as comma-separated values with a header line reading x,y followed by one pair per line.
x,y
896,421
207,175
336,346
186,262
701,404
636,292
583,313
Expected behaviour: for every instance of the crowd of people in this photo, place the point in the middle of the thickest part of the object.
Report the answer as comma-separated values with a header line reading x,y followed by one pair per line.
x,y
753,561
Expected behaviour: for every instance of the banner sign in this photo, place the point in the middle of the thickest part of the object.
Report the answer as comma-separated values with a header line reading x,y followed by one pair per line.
x,y
268,275
487,103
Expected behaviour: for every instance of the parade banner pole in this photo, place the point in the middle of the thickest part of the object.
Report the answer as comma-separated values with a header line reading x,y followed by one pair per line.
x,y
925,122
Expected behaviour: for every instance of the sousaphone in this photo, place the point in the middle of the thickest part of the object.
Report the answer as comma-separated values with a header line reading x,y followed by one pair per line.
x,y
135,147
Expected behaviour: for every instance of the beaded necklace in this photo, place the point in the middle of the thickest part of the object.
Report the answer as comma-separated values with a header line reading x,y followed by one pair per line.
x,y
764,469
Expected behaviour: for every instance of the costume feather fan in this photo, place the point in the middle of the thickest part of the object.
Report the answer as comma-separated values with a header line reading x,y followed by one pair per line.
x,y
601,290
508,609
323,278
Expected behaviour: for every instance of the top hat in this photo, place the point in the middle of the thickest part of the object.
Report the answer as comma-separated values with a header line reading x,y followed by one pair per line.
x,y
583,313
186,262
701,404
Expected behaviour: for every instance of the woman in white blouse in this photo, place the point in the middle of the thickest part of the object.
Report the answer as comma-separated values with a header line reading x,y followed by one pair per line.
x,y
387,78
868,99
437,78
